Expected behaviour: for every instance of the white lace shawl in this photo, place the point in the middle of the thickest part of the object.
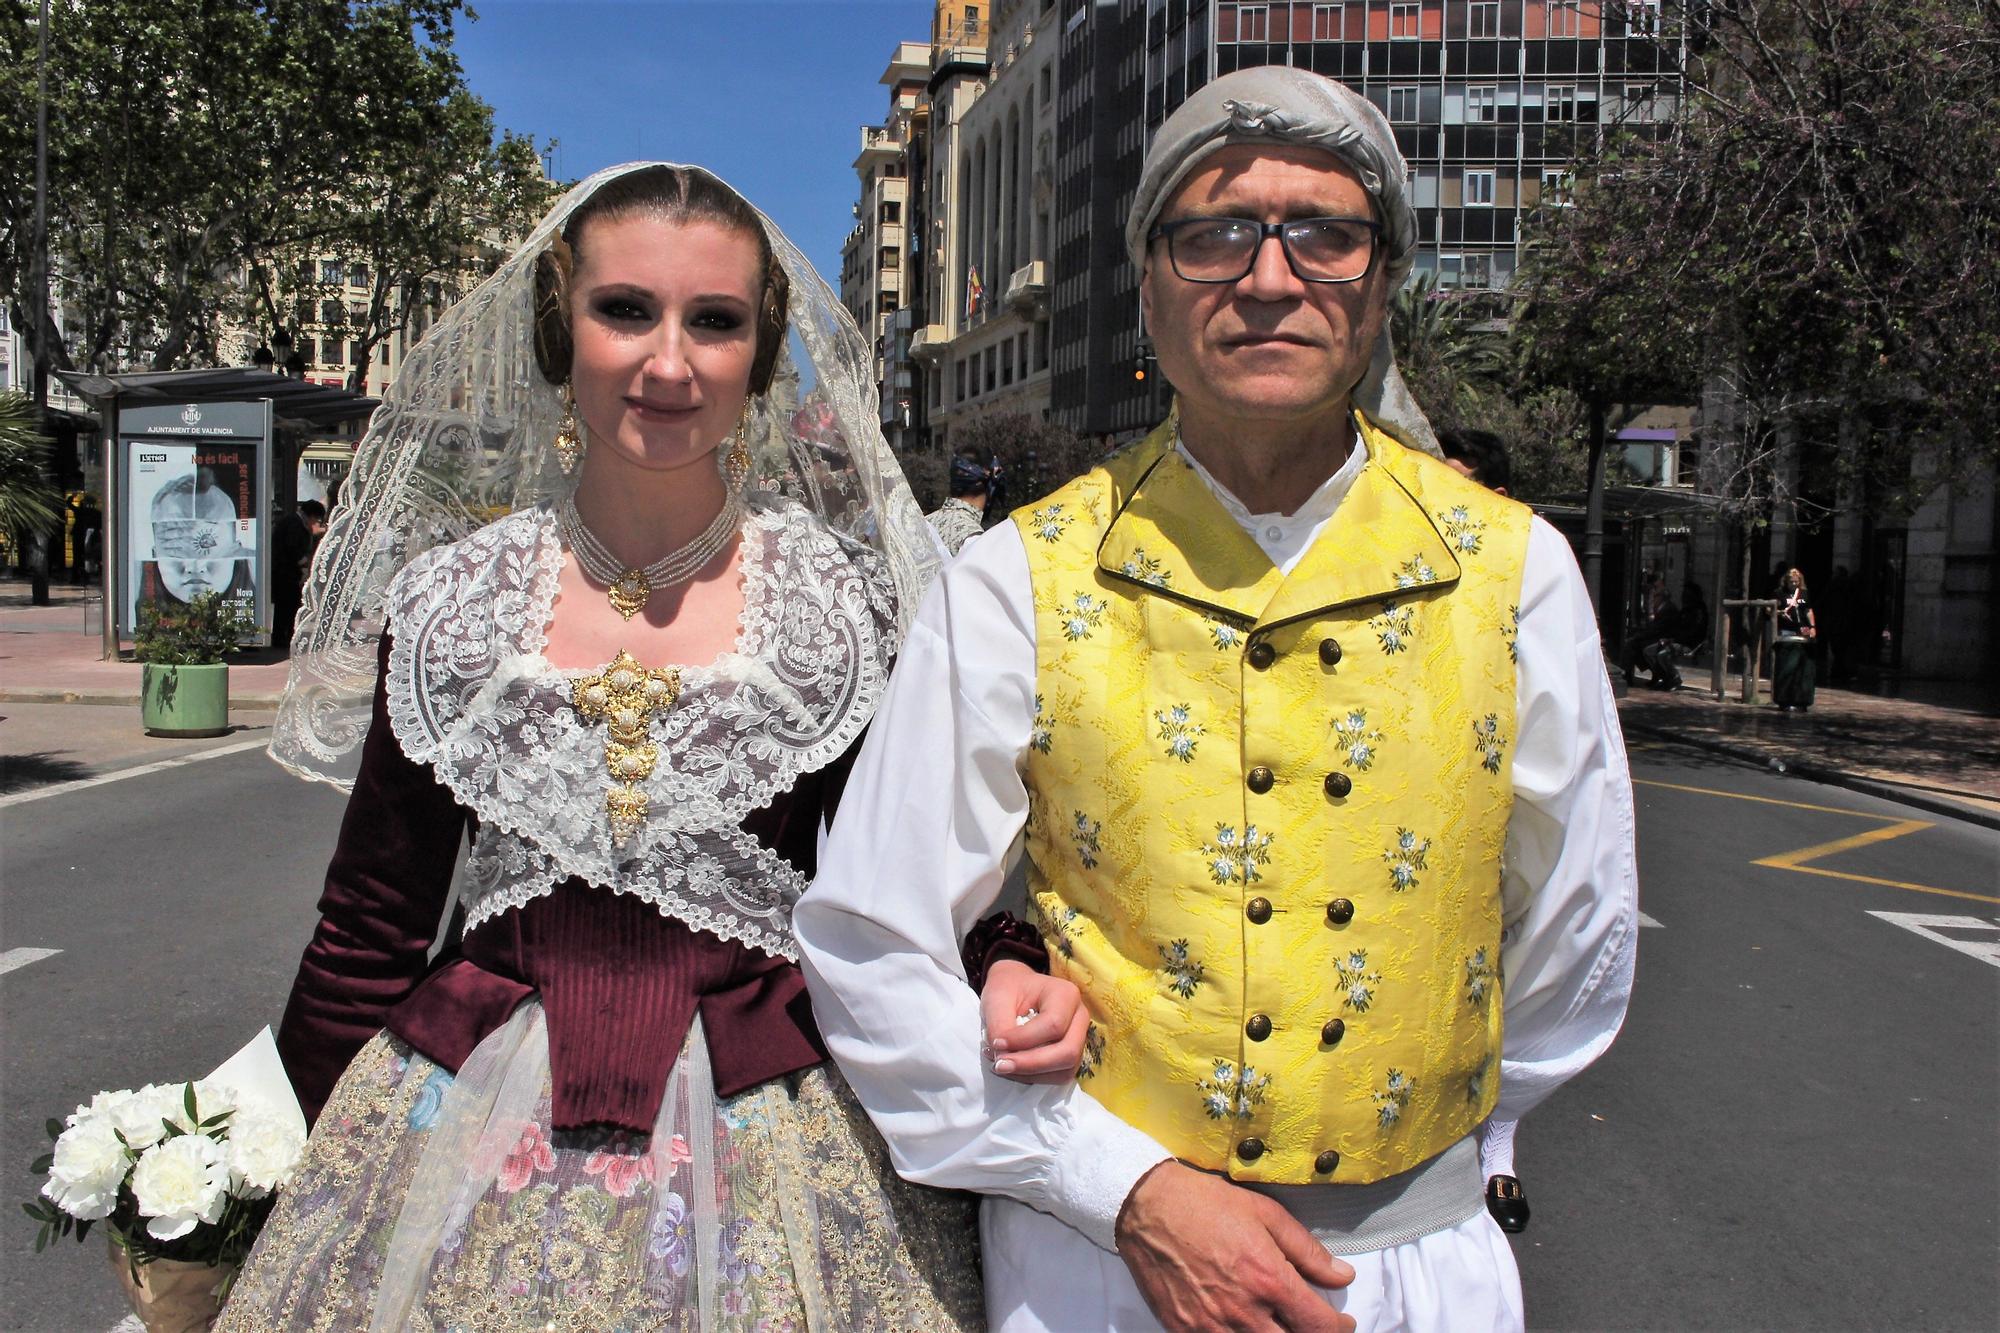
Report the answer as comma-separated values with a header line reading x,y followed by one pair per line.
x,y
470,694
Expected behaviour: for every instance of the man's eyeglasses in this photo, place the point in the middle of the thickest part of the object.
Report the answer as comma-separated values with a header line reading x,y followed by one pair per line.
x,y
1225,249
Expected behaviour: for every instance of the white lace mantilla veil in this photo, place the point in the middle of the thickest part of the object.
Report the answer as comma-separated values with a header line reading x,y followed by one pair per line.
x,y
465,434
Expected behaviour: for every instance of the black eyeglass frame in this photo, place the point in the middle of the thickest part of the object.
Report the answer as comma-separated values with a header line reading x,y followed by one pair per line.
x,y
1265,231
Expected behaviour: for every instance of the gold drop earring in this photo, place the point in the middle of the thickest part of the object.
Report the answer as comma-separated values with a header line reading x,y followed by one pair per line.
x,y
569,438
736,458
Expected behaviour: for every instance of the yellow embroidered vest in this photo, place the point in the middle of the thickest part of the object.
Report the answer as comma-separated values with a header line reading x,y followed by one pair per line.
x,y
1266,811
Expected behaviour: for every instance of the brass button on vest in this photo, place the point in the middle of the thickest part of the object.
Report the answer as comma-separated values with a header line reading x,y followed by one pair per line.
x,y
1334,1030
1338,785
1340,911
1262,654
1329,651
1250,1149
1259,779
1327,1162
1258,1028
1258,910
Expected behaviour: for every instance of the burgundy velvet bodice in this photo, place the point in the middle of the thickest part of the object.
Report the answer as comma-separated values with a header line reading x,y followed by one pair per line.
x,y
619,982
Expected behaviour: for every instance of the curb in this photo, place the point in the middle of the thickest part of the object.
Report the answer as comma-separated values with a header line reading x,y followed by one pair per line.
x,y
1833,777
237,702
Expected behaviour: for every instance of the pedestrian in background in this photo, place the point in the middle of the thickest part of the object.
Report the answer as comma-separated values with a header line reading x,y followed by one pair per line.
x,y
963,514
293,540
1480,455
1793,675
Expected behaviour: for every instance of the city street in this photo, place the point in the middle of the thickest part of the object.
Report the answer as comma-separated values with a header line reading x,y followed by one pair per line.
x,y
1795,1131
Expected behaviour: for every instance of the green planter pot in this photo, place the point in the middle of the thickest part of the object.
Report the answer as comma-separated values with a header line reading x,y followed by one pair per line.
x,y
184,700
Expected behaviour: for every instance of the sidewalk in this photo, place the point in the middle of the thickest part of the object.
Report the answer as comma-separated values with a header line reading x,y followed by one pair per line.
x,y
1936,746
53,654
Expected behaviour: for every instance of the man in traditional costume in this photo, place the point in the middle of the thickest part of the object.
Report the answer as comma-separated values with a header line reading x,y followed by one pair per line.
x,y
1309,746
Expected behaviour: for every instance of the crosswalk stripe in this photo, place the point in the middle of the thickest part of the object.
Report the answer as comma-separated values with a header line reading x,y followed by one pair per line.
x,y
17,958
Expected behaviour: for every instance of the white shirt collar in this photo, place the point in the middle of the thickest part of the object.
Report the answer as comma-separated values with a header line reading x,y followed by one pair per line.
x,y
1285,537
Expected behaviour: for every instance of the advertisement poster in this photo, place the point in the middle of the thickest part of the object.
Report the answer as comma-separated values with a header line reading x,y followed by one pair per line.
x,y
193,519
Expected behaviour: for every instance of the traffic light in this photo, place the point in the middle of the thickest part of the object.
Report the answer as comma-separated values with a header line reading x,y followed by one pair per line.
x,y
1142,361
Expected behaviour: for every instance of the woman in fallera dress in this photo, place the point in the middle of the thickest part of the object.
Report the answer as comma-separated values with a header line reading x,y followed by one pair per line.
x,y
604,1104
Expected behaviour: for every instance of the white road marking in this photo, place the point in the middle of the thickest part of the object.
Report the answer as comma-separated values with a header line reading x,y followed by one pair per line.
x,y
1645,920
1985,946
64,788
14,958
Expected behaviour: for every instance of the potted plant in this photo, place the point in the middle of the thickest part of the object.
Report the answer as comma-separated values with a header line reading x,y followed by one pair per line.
x,y
184,682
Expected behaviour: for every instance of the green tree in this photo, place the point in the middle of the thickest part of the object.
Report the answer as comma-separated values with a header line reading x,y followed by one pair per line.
x,y
198,152
1035,456
1804,238
31,508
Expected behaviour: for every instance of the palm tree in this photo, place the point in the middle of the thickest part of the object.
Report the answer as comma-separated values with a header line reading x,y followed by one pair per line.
x,y
1453,359
30,506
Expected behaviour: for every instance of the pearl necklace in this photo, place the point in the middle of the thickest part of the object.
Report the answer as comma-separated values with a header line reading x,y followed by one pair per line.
x,y
627,587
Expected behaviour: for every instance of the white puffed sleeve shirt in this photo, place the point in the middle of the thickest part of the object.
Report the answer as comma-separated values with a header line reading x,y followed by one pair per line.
x,y
931,825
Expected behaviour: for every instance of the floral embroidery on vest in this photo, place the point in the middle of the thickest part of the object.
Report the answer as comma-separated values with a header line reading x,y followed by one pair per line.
x,y
1490,743
1414,573
1049,522
1234,858
1084,614
1394,627
1226,636
1179,730
1146,569
1405,859
1233,1090
1357,980
1393,1096
1183,972
1084,835
1478,977
1461,529
1357,739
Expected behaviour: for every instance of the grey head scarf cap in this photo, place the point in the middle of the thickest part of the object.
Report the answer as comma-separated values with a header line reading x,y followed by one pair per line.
x,y
1276,104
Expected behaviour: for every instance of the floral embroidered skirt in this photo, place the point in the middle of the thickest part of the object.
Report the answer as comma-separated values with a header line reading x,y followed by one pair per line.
x,y
435,1203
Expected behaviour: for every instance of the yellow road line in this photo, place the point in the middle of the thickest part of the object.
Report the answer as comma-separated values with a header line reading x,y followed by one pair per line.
x,y
1761,800
1892,828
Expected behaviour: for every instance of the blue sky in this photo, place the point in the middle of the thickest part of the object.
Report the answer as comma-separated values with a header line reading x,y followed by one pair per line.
x,y
769,94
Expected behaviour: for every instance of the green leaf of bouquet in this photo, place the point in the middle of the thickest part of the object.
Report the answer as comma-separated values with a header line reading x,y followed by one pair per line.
x,y
192,1113
40,1166
33,1210
55,1128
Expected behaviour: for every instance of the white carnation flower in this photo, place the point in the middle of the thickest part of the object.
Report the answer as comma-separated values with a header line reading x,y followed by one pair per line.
x,y
264,1150
180,1183
100,1105
142,1117
210,1100
88,1168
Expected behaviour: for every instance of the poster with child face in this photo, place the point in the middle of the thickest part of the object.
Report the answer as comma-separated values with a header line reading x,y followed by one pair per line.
x,y
193,515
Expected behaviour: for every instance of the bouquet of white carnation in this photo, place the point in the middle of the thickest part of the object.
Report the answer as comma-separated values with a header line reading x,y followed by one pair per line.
x,y
180,1172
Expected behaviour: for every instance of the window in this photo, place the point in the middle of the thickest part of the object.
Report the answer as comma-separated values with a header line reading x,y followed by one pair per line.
x,y
1482,103
988,361
1556,187
1482,18
1560,104
1565,18
330,272
1478,271
1405,20
1642,17
1007,362
332,312
1479,189
1253,23
1326,23
357,275
357,315
307,352
1402,105
356,354
960,396
1451,269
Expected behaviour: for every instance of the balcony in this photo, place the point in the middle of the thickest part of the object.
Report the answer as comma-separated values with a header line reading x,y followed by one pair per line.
x,y
1028,291
928,344
879,144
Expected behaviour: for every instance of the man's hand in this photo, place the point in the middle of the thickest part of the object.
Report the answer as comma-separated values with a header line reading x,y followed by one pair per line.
x,y
1045,1048
1207,1254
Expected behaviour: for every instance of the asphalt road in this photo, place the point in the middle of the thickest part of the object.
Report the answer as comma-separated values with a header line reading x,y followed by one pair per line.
x,y
1795,1131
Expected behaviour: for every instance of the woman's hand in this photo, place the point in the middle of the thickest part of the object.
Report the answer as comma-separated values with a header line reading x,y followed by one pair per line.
x,y
1047,1046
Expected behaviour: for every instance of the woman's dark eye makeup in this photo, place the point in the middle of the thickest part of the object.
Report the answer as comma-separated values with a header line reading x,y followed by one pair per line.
x,y
622,309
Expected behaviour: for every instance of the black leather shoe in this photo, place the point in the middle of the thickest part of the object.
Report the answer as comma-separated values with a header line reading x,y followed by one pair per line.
x,y
1508,1203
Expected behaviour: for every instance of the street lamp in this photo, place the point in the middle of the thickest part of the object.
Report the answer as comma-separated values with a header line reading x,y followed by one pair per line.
x,y
278,357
